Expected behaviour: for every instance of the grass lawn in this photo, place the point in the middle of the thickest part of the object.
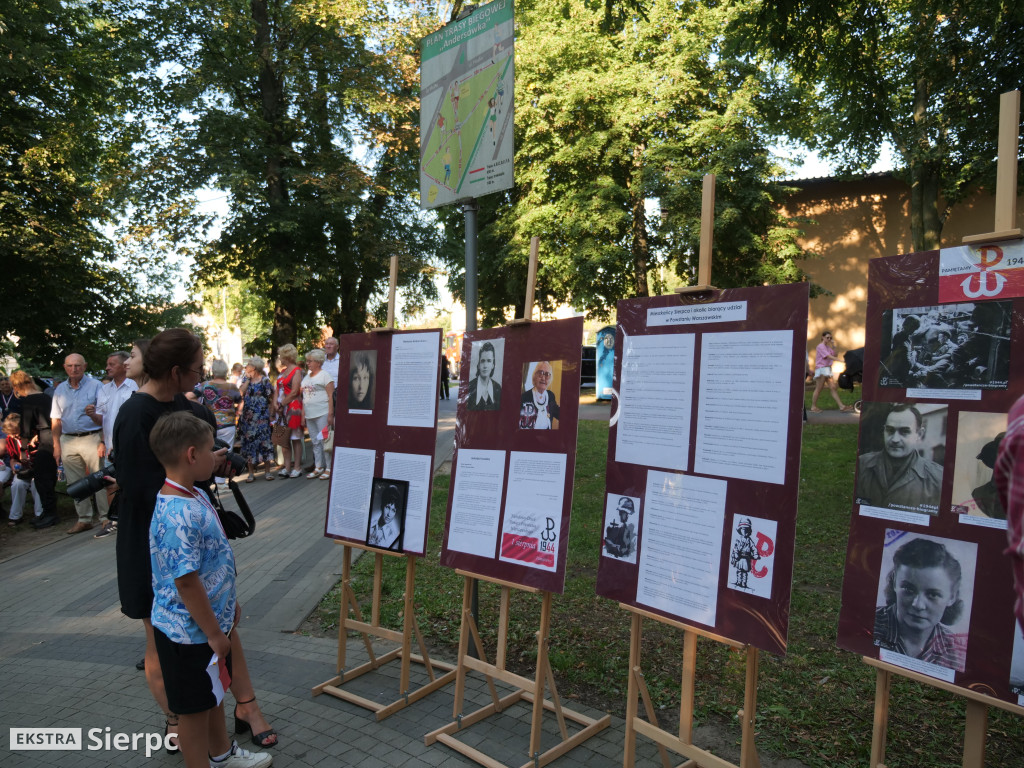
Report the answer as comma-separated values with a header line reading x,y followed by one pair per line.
x,y
814,704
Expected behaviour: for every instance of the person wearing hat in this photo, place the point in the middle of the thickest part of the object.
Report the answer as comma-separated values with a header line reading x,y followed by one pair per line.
x,y
744,552
384,530
620,536
986,496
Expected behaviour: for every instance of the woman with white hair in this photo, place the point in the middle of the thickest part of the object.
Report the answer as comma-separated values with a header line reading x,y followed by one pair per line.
x,y
254,423
318,408
222,398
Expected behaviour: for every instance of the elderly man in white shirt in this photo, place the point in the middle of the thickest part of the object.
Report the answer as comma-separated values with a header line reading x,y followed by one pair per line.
x,y
113,395
333,359
77,439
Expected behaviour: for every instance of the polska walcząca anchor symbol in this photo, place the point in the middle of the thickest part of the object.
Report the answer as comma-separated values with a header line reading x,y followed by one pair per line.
x,y
984,265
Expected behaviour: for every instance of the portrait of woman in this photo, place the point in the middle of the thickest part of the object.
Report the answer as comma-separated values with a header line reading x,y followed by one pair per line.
x,y
362,375
484,389
385,529
925,599
539,404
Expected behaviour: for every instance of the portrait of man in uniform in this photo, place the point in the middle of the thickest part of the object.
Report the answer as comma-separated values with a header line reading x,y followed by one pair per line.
x,y
899,475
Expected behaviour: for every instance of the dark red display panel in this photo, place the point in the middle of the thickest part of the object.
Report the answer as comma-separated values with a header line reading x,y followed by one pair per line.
x,y
512,475
738,362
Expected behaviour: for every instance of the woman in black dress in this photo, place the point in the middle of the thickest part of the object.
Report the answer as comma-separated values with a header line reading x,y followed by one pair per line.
x,y
35,430
173,364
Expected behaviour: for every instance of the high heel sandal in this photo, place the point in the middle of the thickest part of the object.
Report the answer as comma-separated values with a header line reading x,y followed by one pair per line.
x,y
171,722
242,726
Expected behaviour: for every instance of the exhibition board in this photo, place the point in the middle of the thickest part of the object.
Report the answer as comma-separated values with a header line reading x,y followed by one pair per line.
x,y
385,432
927,587
704,460
515,453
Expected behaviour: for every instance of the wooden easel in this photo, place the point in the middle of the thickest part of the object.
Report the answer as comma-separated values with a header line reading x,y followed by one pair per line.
x,y
531,691
976,715
682,741
977,704
707,238
373,629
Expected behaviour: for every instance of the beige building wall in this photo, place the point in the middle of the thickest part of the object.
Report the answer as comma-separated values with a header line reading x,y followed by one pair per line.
x,y
852,222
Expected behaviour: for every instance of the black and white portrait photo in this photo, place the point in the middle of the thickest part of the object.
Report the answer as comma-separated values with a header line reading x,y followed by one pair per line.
x,y
925,592
978,437
538,405
621,521
950,346
903,449
486,358
362,376
387,513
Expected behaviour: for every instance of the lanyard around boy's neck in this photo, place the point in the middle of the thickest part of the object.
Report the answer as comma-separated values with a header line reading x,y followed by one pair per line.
x,y
193,493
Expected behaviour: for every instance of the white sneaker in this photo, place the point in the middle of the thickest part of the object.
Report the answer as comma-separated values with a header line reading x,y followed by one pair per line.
x,y
243,758
295,473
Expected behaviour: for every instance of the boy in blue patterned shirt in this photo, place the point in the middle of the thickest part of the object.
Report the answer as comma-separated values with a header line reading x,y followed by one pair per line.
x,y
194,602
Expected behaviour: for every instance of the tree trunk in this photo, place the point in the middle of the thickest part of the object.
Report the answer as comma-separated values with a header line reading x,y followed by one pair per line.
x,y
272,103
925,179
639,248
285,330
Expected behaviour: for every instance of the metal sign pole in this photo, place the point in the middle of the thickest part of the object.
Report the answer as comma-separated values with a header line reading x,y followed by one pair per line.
x,y
470,209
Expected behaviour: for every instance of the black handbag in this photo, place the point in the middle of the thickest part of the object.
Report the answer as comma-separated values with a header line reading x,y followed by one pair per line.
x,y
237,524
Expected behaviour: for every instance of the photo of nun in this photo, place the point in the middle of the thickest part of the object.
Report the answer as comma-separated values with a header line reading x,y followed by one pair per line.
x,y
361,378
922,603
484,391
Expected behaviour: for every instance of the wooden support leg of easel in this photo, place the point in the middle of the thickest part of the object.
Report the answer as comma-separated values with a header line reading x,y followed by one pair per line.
x,y
748,717
407,625
467,616
346,575
542,660
629,756
879,730
974,734
688,687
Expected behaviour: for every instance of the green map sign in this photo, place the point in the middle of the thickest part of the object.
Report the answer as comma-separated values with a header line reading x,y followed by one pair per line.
x,y
466,86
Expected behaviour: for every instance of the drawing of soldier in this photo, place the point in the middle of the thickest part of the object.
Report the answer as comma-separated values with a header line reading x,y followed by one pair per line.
x,y
744,552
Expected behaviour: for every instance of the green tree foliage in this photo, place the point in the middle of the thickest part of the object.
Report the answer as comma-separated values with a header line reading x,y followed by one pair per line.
x,y
923,75
613,113
64,149
267,100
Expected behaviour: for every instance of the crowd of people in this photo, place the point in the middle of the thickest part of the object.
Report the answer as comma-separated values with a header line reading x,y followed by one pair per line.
x,y
148,428
69,427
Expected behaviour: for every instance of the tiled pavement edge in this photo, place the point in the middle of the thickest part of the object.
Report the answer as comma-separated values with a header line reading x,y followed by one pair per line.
x,y
67,656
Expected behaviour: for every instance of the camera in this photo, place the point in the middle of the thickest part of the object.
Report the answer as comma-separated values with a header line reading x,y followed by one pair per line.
x,y
80,490
237,463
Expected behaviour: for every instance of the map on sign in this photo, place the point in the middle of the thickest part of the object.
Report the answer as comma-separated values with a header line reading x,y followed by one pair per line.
x,y
466,116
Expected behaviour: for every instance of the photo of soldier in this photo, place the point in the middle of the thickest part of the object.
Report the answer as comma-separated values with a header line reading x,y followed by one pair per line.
x,y
952,346
620,521
977,443
902,454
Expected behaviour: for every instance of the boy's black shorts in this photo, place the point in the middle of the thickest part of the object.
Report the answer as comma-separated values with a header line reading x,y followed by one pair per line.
x,y
189,688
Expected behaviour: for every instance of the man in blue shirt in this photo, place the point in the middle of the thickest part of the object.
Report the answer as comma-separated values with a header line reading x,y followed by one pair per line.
x,y
77,439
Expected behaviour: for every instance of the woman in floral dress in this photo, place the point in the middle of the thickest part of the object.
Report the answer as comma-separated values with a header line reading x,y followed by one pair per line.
x,y
257,412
